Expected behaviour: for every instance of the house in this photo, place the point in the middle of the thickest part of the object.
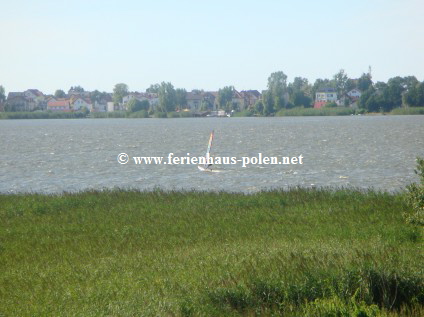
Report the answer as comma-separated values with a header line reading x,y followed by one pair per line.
x,y
238,101
36,97
60,104
198,99
194,100
33,94
354,94
250,97
324,96
79,103
101,105
152,98
16,101
28,100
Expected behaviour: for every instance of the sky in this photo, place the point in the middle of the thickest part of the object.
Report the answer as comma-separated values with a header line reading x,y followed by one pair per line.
x,y
56,44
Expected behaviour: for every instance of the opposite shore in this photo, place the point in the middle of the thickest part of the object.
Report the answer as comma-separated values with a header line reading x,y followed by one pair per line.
x,y
336,111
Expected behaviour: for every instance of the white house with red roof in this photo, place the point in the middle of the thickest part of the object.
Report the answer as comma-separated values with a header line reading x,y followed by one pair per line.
x,y
78,103
60,104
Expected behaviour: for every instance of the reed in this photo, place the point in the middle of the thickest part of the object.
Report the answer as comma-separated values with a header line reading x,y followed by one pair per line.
x,y
41,115
302,252
408,111
300,111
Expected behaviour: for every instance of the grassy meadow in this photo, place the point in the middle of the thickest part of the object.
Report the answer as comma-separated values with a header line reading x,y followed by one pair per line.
x,y
302,252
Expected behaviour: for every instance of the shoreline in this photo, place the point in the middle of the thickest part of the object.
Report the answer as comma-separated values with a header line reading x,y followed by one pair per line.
x,y
42,115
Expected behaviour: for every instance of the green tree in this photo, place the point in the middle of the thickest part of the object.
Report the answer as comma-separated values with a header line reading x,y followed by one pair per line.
x,y
259,107
364,82
268,104
181,98
393,93
341,82
167,97
119,92
2,94
362,102
95,96
301,99
205,105
77,89
153,89
299,90
135,105
414,97
59,93
277,89
225,97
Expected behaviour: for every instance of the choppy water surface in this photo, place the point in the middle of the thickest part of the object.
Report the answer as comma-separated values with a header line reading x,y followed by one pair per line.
x,y
69,155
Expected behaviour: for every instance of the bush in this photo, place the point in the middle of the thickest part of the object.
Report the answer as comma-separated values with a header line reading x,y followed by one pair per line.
x,y
160,115
186,114
139,114
415,197
135,105
173,114
244,113
331,105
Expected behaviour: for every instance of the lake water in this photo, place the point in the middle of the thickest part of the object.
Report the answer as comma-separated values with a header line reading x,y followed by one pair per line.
x,y
68,155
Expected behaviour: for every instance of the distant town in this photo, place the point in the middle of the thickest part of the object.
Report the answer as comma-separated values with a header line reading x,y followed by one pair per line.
x,y
340,91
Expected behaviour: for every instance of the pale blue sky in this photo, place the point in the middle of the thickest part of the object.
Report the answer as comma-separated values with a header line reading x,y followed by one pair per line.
x,y
53,44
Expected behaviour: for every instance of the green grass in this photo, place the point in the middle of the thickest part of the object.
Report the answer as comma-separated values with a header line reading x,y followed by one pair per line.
x,y
408,111
41,115
303,252
300,111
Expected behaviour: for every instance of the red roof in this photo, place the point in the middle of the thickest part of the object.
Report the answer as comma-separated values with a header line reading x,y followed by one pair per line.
x,y
60,103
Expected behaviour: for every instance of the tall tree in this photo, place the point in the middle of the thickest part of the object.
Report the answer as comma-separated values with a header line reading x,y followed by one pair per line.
x,y
153,89
77,89
181,98
364,82
59,93
301,99
137,105
300,92
2,94
393,94
277,88
95,96
268,104
119,92
225,97
414,97
167,97
341,82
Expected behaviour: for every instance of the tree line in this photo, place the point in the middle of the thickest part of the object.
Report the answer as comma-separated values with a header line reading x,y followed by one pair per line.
x,y
375,96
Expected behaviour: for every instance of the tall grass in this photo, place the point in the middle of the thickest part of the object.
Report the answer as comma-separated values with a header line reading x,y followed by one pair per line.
x,y
112,114
303,252
300,111
408,111
41,115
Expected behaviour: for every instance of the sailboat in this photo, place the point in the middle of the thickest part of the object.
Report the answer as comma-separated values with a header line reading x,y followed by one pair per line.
x,y
207,166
